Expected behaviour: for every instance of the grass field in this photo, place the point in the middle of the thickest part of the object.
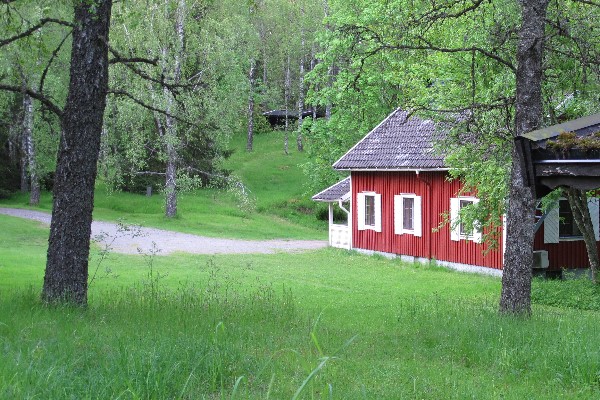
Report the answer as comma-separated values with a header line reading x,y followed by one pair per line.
x,y
326,324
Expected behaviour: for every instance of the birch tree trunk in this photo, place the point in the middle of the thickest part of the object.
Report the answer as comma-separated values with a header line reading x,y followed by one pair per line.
x,y
252,80
287,89
66,275
330,70
581,214
313,62
299,143
171,137
518,259
29,152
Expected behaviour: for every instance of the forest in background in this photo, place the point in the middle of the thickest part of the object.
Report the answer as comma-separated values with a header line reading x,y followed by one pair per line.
x,y
217,66
184,76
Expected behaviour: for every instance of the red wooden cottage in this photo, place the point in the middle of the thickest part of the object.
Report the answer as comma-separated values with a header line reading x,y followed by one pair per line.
x,y
398,192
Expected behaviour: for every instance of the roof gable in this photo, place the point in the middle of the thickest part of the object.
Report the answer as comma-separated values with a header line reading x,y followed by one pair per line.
x,y
399,142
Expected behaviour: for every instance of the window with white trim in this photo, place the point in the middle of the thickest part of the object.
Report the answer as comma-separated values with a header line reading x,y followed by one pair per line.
x,y
559,224
407,214
458,230
368,207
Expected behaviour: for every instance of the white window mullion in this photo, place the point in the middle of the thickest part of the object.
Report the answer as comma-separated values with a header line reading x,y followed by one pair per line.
x,y
360,211
377,226
477,230
454,225
398,214
417,216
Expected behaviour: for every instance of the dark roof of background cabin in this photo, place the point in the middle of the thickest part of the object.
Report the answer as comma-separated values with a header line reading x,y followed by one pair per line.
x,y
398,142
334,192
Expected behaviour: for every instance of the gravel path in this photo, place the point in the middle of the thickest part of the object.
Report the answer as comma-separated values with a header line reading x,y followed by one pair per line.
x,y
129,240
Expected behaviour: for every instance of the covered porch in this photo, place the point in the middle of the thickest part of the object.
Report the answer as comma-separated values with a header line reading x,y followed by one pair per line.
x,y
340,235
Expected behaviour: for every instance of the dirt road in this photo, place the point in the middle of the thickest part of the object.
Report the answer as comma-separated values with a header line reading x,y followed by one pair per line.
x,y
128,240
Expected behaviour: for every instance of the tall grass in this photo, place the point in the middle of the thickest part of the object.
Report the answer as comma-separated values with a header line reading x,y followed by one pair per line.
x,y
199,343
325,324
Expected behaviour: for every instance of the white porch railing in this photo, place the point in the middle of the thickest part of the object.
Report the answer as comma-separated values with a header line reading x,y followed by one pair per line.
x,y
339,236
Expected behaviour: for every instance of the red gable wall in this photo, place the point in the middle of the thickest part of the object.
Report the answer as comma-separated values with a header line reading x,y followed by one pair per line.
x,y
435,192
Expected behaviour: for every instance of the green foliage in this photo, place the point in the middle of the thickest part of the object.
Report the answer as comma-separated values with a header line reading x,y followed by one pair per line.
x,y
573,292
454,63
566,141
38,62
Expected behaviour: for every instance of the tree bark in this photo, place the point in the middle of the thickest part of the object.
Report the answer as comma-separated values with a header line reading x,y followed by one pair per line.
x,y
171,137
287,89
252,81
299,142
29,163
66,277
331,69
518,259
581,214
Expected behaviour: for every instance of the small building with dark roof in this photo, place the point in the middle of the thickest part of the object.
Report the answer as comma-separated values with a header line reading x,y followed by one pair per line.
x,y
278,117
400,198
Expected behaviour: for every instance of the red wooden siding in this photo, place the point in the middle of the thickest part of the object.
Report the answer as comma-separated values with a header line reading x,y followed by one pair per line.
x,y
435,192
566,254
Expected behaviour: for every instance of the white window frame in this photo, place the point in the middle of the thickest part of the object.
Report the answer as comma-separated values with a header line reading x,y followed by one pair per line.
x,y
455,225
399,215
361,211
552,223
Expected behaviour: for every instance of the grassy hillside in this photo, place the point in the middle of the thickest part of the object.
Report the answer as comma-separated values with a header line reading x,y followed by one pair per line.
x,y
280,209
330,324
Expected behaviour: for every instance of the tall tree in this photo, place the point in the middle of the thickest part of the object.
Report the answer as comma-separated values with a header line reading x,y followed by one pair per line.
x,y
66,275
518,256
447,57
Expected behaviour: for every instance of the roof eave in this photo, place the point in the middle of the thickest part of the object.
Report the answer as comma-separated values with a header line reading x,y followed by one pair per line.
x,y
408,169
569,126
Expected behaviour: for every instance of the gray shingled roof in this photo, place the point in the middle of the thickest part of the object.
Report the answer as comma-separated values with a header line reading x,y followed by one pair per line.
x,y
399,142
335,192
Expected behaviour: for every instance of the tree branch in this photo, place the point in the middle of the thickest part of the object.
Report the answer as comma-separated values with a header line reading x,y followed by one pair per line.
x,y
122,93
119,58
39,97
52,57
588,2
39,25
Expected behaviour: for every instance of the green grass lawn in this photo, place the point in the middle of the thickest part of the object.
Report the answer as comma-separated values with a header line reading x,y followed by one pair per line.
x,y
276,183
330,323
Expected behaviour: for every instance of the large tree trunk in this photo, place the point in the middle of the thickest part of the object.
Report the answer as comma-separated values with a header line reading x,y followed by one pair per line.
x,y
252,81
518,259
29,152
66,276
581,214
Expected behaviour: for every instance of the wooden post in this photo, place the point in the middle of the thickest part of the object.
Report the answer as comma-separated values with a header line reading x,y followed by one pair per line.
x,y
330,221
